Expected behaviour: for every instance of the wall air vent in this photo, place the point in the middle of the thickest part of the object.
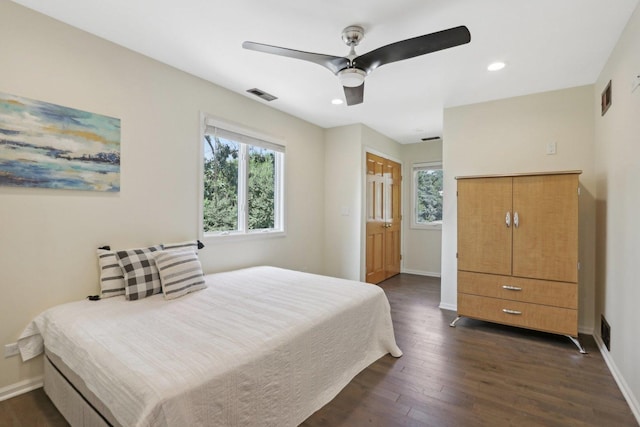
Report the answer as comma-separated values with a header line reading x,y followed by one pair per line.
x,y
605,332
262,94
430,138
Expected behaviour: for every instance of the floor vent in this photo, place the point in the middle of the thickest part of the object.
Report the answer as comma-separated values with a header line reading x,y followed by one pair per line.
x,y
262,94
605,332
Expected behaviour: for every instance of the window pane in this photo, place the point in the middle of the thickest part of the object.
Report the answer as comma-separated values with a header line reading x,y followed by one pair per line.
x,y
220,184
261,191
428,196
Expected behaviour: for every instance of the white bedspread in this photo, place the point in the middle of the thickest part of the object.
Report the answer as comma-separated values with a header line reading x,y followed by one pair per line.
x,y
259,347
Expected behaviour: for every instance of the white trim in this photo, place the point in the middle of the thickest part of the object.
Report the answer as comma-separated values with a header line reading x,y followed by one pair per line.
x,y
212,239
433,226
211,120
200,220
450,307
436,164
420,272
617,376
586,330
21,387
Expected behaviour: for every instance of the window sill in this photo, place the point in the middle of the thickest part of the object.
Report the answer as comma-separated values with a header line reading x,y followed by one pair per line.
x,y
213,238
436,227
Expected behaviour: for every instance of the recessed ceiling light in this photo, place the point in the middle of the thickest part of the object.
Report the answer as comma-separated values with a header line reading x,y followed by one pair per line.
x,y
496,66
337,101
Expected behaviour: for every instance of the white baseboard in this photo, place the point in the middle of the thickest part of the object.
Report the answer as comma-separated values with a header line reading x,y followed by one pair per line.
x,y
585,330
622,384
420,272
21,387
450,307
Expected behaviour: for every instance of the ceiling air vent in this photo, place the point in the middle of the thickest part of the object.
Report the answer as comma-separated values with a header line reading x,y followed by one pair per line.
x,y
431,138
262,94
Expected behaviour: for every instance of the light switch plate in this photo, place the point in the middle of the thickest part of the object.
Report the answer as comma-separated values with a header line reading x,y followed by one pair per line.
x,y
551,148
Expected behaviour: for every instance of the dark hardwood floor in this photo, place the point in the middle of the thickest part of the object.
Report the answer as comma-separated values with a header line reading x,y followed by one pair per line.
x,y
477,374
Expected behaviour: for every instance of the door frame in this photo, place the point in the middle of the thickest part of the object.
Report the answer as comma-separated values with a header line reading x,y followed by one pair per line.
x,y
363,207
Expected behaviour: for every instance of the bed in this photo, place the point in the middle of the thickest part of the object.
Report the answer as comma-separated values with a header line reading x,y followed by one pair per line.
x,y
261,346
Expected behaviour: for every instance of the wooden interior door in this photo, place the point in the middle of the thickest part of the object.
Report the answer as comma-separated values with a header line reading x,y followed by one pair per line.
x,y
393,218
383,231
545,241
484,234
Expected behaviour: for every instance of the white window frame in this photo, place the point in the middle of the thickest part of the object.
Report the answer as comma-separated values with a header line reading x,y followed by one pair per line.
x,y
246,137
435,225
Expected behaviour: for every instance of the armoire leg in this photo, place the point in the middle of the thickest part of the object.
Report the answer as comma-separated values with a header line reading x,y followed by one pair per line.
x,y
576,341
453,323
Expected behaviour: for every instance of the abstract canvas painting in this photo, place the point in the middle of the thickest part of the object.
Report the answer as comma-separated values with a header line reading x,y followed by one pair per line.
x,y
51,146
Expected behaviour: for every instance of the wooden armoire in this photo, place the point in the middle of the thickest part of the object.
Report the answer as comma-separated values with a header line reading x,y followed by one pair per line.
x,y
518,251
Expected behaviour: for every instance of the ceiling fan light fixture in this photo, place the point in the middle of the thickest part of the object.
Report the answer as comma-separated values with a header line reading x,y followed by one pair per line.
x,y
351,77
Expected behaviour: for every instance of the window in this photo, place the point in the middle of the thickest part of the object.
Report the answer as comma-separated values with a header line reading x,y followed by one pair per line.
x,y
242,182
427,195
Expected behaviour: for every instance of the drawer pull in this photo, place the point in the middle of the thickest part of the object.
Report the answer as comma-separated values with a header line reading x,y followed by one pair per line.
x,y
506,310
511,288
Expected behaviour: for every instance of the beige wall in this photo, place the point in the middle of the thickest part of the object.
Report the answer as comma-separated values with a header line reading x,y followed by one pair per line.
x,y
342,198
421,248
617,154
510,136
48,237
345,204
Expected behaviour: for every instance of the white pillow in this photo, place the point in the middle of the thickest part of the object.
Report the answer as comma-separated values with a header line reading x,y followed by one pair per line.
x,y
111,275
181,246
180,272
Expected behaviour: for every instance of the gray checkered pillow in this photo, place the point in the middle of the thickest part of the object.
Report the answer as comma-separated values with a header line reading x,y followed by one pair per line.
x,y
141,276
111,275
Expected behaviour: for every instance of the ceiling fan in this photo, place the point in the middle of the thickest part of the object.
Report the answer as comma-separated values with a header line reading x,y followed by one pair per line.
x,y
352,69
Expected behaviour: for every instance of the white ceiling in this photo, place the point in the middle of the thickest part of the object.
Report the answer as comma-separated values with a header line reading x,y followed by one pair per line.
x,y
547,45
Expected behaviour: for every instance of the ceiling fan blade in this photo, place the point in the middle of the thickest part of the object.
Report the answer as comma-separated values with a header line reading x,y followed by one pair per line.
x,y
354,95
332,63
413,47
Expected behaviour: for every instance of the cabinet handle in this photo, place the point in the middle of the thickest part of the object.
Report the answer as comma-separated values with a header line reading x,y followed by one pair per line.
x,y
506,310
507,219
516,220
511,288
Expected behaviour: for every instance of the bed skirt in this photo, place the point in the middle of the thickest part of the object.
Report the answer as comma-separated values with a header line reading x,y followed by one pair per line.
x,y
77,404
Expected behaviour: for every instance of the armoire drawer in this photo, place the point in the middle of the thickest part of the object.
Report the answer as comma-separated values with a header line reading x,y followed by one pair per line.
x,y
557,294
526,315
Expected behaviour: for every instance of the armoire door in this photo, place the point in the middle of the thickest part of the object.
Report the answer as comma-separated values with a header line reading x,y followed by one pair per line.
x,y
383,230
484,225
545,235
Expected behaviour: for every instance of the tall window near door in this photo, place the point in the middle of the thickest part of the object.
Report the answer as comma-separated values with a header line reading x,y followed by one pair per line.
x,y
427,195
242,183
